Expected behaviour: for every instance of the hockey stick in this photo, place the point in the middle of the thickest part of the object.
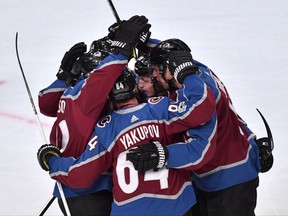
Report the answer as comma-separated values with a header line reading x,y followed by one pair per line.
x,y
269,133
266,146
45,208
29,92
41,131
114,11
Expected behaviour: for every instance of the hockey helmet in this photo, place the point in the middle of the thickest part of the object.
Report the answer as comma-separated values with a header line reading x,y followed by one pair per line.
x,y
143,67
99,49
124,87
160,52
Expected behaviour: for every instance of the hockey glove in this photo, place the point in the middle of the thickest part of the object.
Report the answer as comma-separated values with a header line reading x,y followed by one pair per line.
x,y
45,152
68,70
180,64
148,156
143,39
113,29
265,153
129,33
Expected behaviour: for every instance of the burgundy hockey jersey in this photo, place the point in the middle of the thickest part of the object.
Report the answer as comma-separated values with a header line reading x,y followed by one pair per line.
x,y
78,109
164,192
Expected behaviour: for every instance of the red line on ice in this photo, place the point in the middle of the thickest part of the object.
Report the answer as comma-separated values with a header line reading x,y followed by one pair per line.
x,y
21,118
2,82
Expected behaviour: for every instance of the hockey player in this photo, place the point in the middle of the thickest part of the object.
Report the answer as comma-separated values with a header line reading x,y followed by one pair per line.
x,y
74,63
165,192
80,107
75,66
148,84
226,174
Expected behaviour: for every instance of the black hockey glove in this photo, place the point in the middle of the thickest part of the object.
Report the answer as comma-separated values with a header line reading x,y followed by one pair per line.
x,y
70,67
45,152
180,64
265,153
144,37
113,29
148,156
129,33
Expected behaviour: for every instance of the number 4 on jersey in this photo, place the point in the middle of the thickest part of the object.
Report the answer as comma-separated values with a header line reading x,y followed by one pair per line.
x,y
92,143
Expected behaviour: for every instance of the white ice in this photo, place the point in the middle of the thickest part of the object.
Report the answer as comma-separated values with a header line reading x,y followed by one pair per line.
x,y
245,42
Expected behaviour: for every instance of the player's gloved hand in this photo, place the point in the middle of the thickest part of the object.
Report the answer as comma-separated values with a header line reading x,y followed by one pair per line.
x,y
144,37
113,29
265,153
180,64
148,156
45,152
68,70
128,35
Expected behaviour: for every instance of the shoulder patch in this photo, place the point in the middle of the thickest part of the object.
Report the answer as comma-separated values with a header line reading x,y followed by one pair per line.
x,y
155,100
103,121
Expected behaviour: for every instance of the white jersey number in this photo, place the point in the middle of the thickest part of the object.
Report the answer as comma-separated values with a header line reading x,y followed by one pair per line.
x,y
133,182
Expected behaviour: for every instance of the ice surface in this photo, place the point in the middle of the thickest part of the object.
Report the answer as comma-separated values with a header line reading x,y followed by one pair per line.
x,y
245,42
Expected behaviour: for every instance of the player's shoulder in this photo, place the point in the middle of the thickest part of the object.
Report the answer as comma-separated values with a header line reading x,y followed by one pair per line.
x,y
104,121
73,91
157,100
158,106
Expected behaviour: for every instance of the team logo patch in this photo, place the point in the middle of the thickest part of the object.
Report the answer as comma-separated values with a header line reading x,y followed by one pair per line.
x,y
155,100
103,121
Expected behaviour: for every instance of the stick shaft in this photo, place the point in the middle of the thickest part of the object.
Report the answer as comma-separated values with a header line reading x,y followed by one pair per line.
x,y
29,93
45,208
41,130
114,11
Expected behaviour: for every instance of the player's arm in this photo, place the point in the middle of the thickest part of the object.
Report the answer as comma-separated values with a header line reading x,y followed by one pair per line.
x,y
67,75
191,154
49,97
194,108
75,173
94,93
195,103
197,149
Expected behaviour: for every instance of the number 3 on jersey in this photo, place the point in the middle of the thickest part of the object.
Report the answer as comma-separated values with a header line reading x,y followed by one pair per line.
x,y
133,183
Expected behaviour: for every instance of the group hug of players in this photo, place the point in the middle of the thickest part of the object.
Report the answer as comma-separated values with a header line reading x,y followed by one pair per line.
x,y
161,139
